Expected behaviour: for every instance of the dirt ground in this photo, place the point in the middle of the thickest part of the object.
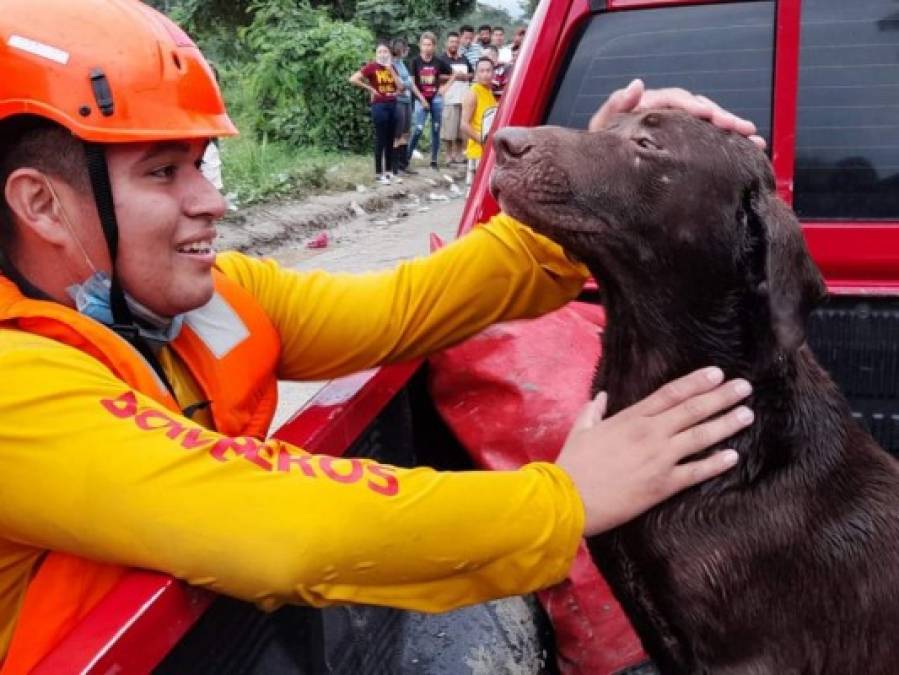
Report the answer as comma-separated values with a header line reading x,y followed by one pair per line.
x,y
364,230
289,225
380,239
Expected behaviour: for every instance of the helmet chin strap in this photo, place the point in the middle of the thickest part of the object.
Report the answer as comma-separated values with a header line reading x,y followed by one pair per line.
x,y
123,320
99,176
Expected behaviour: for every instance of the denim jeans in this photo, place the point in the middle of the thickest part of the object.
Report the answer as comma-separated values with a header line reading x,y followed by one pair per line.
x,y
418,125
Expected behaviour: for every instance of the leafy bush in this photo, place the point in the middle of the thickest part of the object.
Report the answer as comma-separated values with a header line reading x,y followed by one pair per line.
x,y
298,78
283,67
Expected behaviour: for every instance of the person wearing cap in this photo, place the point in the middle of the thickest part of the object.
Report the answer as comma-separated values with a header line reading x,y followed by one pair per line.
x,y
140,366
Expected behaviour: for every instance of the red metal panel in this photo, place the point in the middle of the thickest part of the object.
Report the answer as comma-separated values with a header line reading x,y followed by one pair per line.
x,y
647,4
341,411
131,630
786,80
856,258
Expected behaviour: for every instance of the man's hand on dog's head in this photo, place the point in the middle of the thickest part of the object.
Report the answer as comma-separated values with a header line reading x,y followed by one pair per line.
x,y
635,96
628,463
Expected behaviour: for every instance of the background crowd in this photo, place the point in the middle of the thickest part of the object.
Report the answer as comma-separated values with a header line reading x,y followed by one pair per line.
x,y
454,92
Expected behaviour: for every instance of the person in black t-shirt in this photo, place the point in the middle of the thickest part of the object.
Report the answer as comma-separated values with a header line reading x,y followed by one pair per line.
x,y
430,75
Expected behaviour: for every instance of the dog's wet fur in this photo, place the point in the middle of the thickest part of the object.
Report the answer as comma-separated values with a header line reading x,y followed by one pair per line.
x,y
790,562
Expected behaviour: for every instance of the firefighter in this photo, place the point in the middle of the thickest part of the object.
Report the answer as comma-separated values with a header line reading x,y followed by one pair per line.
x,y
140,367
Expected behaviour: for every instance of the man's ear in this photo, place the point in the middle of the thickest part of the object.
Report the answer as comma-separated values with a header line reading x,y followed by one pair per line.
x,y
792,281
33,207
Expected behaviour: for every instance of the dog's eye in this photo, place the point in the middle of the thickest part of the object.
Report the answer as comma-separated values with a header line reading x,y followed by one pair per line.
x,y
647,143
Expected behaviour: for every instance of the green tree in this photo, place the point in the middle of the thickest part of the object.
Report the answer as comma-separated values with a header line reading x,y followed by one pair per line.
x,y
494,16
528,7
284,64
410,18
297,78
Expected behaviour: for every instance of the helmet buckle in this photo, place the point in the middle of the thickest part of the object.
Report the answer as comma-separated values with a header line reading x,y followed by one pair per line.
x,y
102,92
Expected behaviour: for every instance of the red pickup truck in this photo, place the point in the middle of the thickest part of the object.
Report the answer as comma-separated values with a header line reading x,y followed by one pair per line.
x,y
820,78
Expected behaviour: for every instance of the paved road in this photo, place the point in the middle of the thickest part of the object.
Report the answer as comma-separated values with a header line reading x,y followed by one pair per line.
x,y
365,244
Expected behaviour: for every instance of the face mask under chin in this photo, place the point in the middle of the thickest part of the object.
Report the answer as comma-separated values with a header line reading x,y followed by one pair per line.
x,y
92,299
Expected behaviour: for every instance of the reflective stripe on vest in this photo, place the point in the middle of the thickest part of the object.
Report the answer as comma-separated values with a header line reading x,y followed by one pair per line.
x,y
230,347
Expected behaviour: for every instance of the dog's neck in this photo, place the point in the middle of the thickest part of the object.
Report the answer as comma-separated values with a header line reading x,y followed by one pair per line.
x,y
649,341
652,338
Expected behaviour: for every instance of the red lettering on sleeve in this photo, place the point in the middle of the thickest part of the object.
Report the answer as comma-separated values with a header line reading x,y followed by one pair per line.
x,y
143,420
287,459
390,486
123,406
347,471
196,438
245,446
329,466
175,430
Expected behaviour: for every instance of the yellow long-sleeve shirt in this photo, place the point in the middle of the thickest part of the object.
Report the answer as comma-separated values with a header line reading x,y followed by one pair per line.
x,y
74,477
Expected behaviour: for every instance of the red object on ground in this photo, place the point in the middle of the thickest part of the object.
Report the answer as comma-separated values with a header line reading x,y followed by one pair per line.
x,y
510,395
319,241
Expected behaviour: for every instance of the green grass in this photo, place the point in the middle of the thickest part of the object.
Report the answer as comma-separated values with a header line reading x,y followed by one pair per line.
x,y
258,170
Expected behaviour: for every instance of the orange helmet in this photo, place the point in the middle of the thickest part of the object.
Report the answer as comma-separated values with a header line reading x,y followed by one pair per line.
x,y
110,71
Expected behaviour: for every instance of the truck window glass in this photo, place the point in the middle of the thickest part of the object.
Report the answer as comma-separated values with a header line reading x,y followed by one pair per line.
x,y
724,51
847,144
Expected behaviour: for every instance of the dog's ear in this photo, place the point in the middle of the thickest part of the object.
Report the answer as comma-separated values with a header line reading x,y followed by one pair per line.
x,y
789,278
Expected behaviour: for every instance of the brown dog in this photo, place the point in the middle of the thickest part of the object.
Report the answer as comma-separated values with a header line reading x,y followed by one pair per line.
x,y
790,562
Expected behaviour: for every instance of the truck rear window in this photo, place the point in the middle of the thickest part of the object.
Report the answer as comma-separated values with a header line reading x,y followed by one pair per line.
x,y
847,145
724,51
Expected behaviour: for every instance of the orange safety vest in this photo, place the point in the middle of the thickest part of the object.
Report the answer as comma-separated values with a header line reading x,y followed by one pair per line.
x,y
230,347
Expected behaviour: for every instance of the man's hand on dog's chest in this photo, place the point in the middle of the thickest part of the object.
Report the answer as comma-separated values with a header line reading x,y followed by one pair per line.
x,y
628,463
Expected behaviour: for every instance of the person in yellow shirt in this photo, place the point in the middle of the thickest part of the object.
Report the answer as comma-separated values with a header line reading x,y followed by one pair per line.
x,y
140,366
478,109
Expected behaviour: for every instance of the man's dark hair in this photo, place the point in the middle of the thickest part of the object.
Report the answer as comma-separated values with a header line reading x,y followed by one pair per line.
x,y
466,29
29,141
397,45
499,29
452,33
484,27
485,59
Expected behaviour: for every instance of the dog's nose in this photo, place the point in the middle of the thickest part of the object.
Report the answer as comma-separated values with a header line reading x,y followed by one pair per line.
x,y
511,142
